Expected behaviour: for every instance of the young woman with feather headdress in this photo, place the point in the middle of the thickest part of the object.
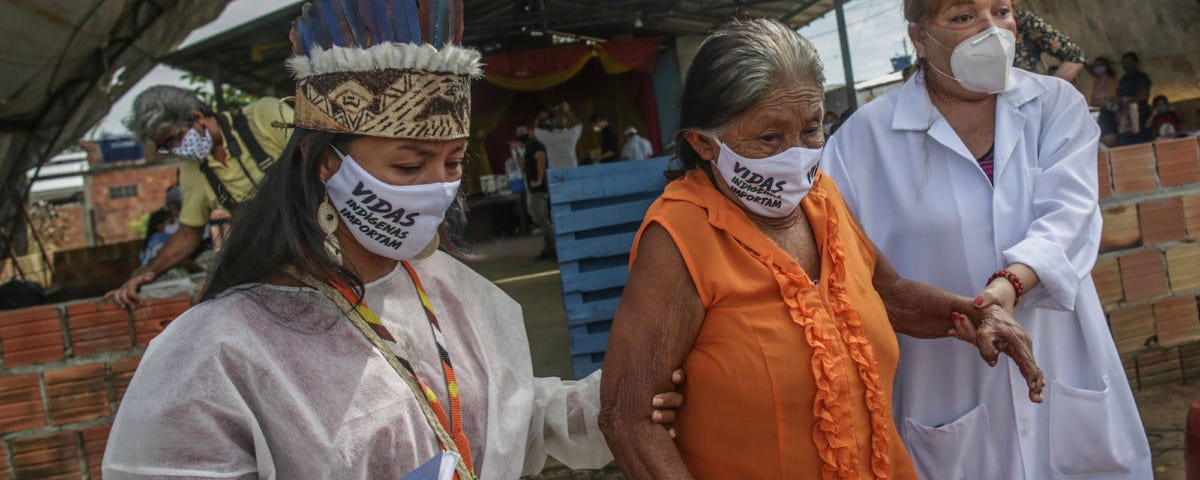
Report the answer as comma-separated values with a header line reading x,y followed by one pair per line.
x,y
334,339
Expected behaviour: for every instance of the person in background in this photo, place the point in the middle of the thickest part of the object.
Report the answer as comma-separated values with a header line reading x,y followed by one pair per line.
x,y
609,145
1104,98
980,178
1035,37
537,200
1163,122
156,234
1133,93
174,203
636,147
559,130
225,155
831,119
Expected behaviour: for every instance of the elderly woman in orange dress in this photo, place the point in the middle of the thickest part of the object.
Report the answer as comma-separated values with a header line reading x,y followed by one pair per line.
x,y
751,273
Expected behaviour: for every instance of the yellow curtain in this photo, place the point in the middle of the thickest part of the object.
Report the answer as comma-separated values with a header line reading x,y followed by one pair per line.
x,y
540,83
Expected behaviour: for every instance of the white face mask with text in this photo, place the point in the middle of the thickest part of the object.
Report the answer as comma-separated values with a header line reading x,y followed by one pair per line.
x,y
392,221
773,186
983,62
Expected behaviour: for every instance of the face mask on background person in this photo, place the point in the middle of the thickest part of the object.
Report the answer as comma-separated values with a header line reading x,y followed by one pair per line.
x,y
1099,69
393,221
981,63
773,186
194,146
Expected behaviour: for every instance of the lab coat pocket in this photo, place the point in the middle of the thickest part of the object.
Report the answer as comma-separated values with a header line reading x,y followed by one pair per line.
x,y
961,450
1031,176
1087,433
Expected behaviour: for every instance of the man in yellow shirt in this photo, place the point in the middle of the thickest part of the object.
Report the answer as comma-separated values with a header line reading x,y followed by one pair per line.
x,y
225,155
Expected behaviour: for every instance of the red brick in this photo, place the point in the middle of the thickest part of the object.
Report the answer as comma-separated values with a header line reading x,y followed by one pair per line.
x,y
1159,366
21,404
76,394
1191,214
154,315
1132,327
1143,275
1177,320
1104,174
1133,169
1162,221
1121,228
122,373
52,456
98,327
94,440
1106,274
31,335
1178,161
1183,265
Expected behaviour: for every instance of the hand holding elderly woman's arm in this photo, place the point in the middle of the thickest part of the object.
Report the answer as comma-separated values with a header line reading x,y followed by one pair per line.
x,y
659,318
924,311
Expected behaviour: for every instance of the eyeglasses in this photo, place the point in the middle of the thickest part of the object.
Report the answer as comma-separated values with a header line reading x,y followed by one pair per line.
x,y
163,145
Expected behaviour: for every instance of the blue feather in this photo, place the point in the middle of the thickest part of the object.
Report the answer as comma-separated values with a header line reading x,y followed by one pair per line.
x,y
374,15
438,23
402,16
327,14
414,20
358,30
316,31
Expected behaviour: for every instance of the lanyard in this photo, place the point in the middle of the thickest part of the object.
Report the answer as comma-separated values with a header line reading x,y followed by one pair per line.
x,y
448,428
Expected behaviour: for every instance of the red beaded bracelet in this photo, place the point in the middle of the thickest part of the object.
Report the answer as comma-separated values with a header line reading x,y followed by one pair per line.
x,y
1013,280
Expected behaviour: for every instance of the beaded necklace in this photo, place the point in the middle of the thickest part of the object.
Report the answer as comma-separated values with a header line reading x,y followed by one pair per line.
x,y
447,427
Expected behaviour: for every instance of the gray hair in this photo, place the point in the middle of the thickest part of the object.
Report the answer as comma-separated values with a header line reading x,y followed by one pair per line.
x,y
734,68
159,107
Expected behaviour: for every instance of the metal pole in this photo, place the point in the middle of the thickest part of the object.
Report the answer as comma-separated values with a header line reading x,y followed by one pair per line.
x,y
847,65
218,92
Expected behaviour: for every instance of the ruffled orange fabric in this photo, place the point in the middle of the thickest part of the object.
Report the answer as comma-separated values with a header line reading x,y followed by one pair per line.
x,y
833,416
834,333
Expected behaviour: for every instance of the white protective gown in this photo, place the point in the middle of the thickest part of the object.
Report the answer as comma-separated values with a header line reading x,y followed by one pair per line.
x,y
273,382
923,199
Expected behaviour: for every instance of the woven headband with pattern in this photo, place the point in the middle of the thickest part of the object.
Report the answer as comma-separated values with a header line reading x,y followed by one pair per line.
x,y
383,68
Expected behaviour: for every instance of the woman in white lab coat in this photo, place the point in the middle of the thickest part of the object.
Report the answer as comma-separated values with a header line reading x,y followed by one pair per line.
x,y
971,168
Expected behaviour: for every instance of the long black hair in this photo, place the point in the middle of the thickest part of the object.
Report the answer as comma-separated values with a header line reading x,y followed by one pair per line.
x,y
277,226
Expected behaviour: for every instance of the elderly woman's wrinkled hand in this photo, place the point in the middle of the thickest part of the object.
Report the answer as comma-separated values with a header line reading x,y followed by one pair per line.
x,y
994,331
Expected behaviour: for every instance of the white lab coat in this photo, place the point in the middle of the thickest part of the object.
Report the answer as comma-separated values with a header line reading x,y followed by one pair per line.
x,y
273,382
923,199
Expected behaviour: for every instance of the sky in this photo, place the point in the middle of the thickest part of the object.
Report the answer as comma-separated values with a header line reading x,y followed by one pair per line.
x,y
876,29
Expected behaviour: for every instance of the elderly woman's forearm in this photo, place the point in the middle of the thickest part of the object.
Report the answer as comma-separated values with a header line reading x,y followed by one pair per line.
x,y
920,310
643,449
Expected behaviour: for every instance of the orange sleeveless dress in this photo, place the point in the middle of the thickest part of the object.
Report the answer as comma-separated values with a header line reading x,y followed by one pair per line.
x,y
786,380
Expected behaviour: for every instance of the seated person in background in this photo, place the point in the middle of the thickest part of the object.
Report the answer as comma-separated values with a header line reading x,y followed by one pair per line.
x,y
156,235
636,146
559,131
1163,122
608,141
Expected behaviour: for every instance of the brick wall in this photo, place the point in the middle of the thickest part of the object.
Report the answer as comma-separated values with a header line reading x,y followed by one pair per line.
x,y
1148,272
113,215
63,371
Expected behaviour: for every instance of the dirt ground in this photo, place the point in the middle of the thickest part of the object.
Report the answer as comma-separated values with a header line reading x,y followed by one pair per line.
x,y
537,287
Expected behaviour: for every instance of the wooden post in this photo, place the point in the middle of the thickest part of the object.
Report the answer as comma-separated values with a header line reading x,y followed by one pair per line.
x,y
1191,442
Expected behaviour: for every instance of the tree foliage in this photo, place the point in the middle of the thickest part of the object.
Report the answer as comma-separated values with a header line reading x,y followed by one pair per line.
x,y
235,98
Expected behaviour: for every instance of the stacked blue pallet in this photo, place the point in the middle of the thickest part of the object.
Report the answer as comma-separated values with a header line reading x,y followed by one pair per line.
x,y
597,209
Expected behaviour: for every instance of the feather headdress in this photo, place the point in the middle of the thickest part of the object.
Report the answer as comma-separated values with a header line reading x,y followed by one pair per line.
x,y
384,68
